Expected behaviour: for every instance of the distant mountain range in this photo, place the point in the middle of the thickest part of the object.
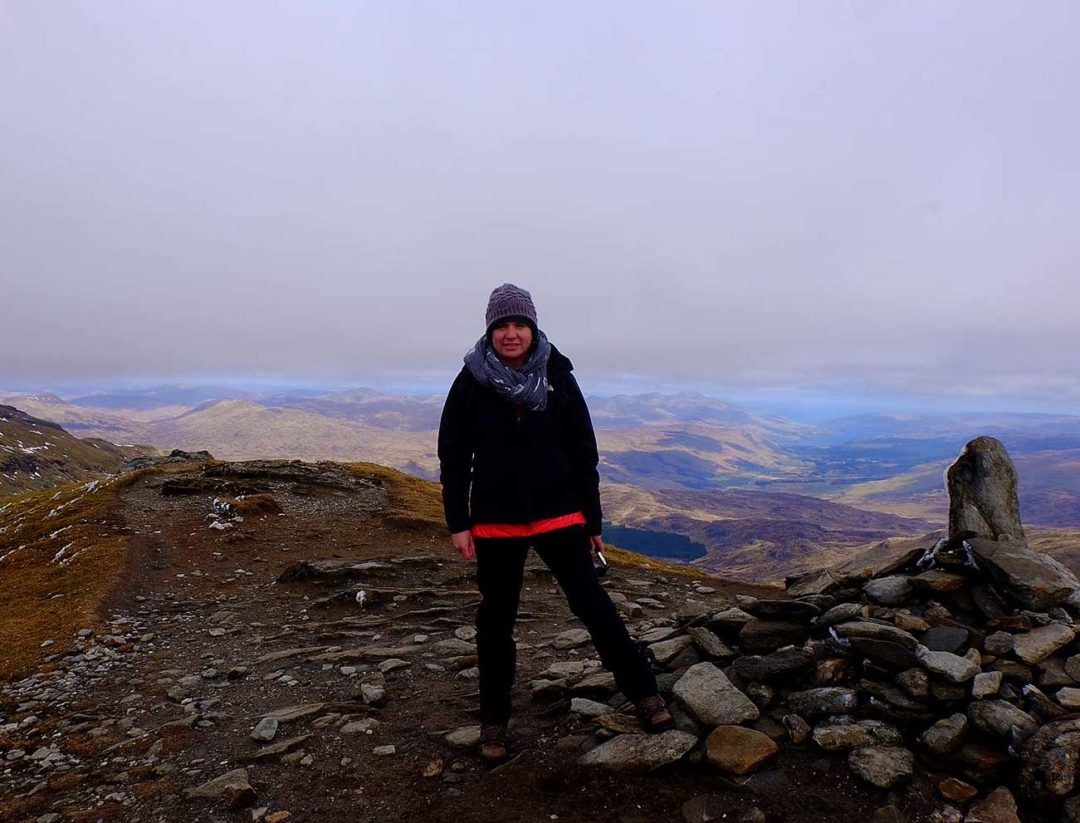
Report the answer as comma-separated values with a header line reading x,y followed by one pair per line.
x,y
737,486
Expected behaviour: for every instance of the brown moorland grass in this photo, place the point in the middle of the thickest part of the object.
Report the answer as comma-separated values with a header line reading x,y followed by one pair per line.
x,y
60,554
63,550
413,501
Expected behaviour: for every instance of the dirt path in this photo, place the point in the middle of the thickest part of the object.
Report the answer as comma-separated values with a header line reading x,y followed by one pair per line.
x,y
200,642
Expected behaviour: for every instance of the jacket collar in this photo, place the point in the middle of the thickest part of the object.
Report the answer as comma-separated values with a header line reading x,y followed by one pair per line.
x,y
558,363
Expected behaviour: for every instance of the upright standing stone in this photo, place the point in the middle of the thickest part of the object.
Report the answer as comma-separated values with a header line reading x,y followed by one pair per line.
x,y
984,509
982,492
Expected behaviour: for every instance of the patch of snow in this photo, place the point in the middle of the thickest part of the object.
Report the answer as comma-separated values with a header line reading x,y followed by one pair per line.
x,y
59,554
5,556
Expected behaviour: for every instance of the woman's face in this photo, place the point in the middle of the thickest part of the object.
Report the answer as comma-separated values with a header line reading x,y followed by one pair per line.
x,y
511,341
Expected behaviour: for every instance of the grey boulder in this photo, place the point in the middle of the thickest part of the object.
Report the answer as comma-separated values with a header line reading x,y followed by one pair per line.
x,y
711,699
640,752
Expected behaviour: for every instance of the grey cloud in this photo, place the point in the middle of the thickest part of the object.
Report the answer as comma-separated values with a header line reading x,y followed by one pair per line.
x,y
748,194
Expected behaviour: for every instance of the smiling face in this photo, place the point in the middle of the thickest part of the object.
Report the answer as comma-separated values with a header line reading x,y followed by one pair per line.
x,y
511,341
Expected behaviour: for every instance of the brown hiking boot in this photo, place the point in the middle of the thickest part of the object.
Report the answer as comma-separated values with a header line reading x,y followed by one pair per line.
x,y
493,743
654,714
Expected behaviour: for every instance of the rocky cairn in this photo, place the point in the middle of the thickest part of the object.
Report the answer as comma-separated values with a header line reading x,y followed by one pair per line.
x,y
959,660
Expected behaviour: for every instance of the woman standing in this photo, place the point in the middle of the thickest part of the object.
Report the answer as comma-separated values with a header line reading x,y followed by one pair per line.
x,y
515,428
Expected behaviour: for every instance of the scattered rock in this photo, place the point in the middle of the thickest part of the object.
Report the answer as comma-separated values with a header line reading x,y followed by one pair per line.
x,y
738,750
619,723
434,768
364,726
711,699
235,782
1040,643
666,650
763,636
265,729
288,714
276,749
709,644
952,667
837,736
571,639
780,665
889,591
640,752
945,638
956,790
999,717
986,684
882,766
997,807
589,708
822,701
797,728
1035,581
466,737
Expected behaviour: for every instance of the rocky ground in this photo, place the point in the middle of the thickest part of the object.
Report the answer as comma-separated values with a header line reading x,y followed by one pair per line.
x,y
317,663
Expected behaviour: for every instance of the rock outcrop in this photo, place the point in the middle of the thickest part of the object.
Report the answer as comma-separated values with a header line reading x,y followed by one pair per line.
x,y
961,659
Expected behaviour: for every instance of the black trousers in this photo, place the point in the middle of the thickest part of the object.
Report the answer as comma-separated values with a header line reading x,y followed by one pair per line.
x,y
500,565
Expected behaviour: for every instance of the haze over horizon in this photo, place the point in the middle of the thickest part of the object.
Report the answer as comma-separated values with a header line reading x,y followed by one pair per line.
x,y
842,200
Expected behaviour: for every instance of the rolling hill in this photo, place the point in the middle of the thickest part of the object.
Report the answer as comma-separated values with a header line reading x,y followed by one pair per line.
x,y
37,454
752,535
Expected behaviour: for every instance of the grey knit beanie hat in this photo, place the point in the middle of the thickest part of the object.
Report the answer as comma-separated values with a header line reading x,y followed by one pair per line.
x,y
508,301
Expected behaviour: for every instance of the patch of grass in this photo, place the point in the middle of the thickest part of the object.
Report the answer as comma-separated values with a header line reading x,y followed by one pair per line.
x,y
413,501
624,558
156,789
60,555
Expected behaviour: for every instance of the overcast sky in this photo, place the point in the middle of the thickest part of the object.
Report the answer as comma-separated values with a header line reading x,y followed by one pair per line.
x,y
877,197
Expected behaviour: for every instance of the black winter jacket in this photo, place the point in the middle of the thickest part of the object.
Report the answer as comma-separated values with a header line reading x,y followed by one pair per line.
x,y
522,465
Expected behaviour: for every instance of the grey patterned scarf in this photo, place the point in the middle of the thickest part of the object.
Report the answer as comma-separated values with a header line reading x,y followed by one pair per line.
x,y
526,385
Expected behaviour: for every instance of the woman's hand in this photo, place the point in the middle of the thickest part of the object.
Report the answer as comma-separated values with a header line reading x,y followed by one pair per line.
x,y
596,543
463,542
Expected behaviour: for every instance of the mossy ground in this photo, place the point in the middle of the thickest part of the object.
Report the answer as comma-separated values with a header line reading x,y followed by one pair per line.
x,y
60,556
